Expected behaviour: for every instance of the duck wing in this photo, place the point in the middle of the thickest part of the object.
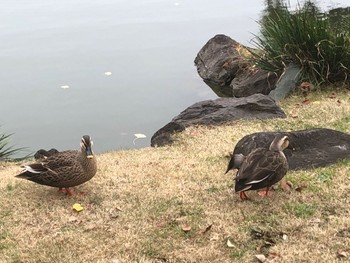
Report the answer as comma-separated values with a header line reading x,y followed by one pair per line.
x,y
53,170
262,168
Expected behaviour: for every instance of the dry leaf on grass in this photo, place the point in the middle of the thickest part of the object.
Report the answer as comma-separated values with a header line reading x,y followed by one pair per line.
x,y
306,102
186,228
230,244
261,258
77,207
342,254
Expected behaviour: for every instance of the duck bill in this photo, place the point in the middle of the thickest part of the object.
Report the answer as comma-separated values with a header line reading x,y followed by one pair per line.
x,y
89,153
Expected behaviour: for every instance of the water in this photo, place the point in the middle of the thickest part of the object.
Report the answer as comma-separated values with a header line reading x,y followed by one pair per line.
x,y
149,46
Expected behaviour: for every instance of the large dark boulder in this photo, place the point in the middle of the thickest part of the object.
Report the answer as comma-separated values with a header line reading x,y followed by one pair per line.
x,y
253,81
222,110
163,136
224,66
218,62
307,149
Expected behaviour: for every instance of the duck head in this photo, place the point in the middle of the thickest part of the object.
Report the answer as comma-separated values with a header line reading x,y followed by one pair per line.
x,y
86,146
280,143
235,162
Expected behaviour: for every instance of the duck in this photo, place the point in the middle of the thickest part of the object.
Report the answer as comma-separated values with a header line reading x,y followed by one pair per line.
x,y
261,168
43,154
64,169
235,162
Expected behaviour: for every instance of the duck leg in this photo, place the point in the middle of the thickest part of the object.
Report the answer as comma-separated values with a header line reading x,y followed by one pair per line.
x,y
243,196
66,190
265,192
61,190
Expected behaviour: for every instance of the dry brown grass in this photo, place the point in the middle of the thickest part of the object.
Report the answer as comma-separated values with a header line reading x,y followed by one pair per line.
x,y
140,200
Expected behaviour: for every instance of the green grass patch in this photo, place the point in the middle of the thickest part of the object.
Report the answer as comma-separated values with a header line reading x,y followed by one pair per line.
x,y
301,210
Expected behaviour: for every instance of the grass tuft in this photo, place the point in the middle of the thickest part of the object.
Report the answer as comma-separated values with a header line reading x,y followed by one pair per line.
x,y
306,37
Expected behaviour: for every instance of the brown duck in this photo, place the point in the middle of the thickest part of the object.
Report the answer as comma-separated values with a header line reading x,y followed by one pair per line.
x,y
64,169
261,168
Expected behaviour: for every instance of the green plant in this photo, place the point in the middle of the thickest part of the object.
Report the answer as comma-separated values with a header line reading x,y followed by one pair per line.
x,y
7,151
307,38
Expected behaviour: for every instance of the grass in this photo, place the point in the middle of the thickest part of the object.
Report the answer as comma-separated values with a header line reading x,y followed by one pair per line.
x,y
174,204
308,38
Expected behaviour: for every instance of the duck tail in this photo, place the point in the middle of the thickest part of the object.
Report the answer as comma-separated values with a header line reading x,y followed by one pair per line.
x,y
30,170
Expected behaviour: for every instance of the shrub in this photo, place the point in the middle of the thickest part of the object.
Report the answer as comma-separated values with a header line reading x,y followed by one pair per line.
x,y
6,151
307,38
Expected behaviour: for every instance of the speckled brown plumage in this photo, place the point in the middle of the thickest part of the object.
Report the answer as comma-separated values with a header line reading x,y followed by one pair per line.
x,y
64,169
262,167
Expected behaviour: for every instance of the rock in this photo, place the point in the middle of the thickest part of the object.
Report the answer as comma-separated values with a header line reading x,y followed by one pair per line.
x,y
218,62
252,82
224,65
163,136
308,149
221,110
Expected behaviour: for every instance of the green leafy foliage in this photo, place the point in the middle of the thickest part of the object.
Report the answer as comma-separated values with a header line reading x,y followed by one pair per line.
x,y
307,38
6,151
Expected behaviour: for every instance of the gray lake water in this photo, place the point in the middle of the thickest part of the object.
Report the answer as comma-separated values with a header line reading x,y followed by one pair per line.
x,y
148,46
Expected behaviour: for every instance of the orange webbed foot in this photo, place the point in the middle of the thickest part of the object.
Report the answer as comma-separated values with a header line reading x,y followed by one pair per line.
x,y
243,196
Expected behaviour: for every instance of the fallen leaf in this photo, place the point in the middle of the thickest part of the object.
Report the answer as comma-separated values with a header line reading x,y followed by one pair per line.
x,y
77,207
338,101
207,229
306,102
186,228
138,136
229,243
342,254
261,257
